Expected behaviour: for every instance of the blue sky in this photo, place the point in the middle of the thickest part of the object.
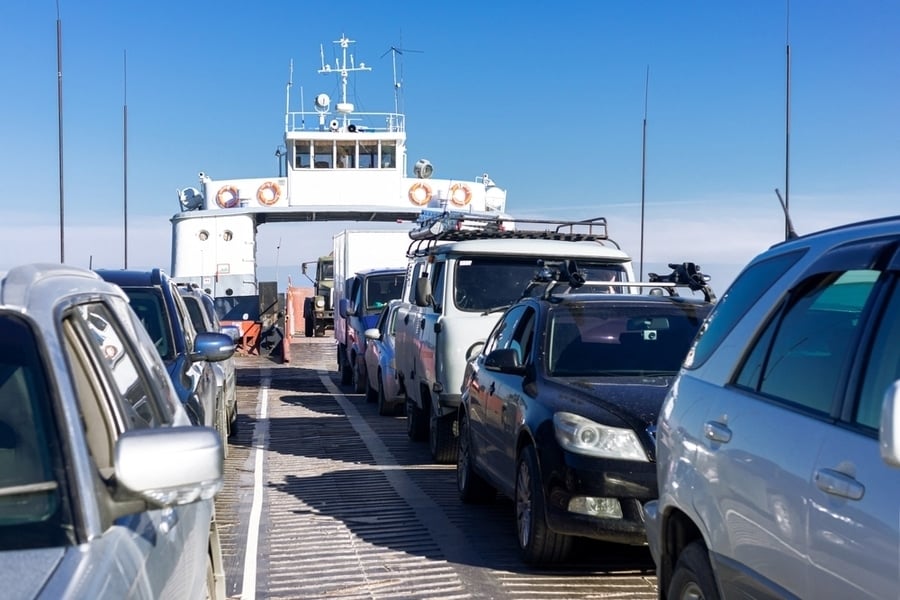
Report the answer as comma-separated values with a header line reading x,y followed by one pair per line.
x,y
548,101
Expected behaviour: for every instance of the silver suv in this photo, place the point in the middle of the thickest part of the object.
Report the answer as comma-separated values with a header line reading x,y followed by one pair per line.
x,y
778,445
106,491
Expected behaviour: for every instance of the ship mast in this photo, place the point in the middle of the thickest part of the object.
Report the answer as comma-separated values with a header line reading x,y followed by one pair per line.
x,y
344,66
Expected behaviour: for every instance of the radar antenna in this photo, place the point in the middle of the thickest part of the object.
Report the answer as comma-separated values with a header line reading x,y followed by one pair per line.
x,y
343,70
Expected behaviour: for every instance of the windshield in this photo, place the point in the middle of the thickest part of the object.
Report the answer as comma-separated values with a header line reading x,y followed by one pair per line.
x,y
32,513
619,339
483,283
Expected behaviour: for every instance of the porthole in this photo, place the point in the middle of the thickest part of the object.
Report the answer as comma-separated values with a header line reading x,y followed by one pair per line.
x,y
203,235
227,235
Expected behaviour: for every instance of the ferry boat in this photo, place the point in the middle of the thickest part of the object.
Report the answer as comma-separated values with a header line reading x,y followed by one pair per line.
x,y
341,165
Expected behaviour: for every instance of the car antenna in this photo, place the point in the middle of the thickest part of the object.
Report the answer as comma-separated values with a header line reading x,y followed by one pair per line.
x,y
791,232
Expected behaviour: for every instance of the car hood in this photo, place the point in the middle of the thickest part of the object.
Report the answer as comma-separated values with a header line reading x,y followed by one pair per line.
x,y
26,572
635,399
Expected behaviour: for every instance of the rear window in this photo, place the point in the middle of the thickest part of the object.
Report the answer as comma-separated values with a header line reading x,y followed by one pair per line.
x,y
614,339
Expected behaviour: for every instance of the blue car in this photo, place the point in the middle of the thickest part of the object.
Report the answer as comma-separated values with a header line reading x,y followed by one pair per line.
x,y
187,354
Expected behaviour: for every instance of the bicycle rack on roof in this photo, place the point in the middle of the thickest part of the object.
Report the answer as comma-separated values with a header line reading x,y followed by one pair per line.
x,y
433,227
553,274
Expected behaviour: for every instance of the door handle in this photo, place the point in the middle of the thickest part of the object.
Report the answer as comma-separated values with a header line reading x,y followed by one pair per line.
x,y
717,432
422,324
406,319
492,388
839,484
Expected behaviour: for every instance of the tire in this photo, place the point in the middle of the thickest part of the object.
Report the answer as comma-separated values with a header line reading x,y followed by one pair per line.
x,y
693,578
441,441
371,394
473,489
222,423
309,326
233,421
384,409
416,425
345,368
537,542
359,376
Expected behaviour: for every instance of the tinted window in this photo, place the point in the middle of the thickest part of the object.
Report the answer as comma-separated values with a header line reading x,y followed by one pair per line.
x,y
381,289
750,285
148,304
196,313
882,366
504,330
805,350
32,502
612,339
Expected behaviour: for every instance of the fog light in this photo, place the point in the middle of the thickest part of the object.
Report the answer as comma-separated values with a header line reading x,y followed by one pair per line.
x,y
608,508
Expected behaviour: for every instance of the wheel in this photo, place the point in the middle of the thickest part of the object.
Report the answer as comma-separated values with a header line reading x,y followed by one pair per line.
x,y
345,368
384,408
416,425
359,376
371,394
233,421
538,544
309,326
693,578
222,423
441,441
473,489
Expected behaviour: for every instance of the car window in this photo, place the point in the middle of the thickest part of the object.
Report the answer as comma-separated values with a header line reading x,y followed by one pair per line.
x,y
33,511
503,332
196,313
135,393
882,366
804,351
523,335
184,318
414,273
438,277
749,286
148,304
605,339
381,289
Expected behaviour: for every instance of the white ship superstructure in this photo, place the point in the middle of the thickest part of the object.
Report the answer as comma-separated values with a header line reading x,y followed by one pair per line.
x,y
340,164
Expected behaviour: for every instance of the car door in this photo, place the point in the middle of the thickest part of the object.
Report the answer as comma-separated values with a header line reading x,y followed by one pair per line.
x,y
498,390
853,524
511,392
767,435
170,540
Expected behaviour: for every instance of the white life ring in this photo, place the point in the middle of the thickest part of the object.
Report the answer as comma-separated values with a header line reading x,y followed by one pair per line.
x,y
228,196
460,194
268,193
420,193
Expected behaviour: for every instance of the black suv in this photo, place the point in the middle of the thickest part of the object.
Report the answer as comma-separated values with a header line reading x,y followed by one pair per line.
x,y
559,408
187,354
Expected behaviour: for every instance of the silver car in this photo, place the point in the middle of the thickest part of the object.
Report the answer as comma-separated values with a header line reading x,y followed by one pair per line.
x,y
106,490
383,385
779,443
202,310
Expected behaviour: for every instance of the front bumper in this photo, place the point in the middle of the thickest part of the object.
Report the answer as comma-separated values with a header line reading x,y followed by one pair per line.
x,y
631,483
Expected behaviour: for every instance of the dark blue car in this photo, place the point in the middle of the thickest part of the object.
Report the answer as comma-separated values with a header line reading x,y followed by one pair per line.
x,y
559,410
186,353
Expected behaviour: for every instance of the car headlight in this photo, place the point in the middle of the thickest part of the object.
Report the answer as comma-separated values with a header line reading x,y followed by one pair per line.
x,y
320,302
583,436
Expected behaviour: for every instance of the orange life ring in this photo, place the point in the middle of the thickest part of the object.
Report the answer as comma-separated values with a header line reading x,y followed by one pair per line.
x,y
228,196
268,193
460,194
419,193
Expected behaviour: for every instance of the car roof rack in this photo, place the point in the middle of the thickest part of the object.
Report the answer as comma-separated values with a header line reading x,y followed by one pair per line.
x,y
554,274
456,226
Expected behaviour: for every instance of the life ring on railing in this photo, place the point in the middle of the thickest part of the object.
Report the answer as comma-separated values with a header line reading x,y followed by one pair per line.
x,y
228,196
420,193
460,194
268,193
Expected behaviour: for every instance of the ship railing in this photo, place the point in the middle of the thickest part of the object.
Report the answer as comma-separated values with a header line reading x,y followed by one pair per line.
x,y
377,122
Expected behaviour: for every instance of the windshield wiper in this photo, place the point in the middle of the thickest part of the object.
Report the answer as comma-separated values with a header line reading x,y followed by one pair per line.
x,y
497,309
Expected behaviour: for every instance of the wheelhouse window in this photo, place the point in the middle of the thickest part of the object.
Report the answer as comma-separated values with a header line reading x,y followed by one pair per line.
x,y
388,155
346,155
302,155
324,154
368,155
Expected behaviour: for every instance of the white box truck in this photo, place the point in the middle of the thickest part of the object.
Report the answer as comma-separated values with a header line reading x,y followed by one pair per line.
x,y
354,251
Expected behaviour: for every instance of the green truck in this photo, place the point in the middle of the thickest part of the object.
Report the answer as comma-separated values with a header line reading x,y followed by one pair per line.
x,y
318,310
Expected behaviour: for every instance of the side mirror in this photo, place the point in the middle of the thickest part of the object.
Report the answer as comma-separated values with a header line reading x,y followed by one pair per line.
x,y
233,331
212,347
372,334
474,350
343,307
504,360
423,292
889,433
